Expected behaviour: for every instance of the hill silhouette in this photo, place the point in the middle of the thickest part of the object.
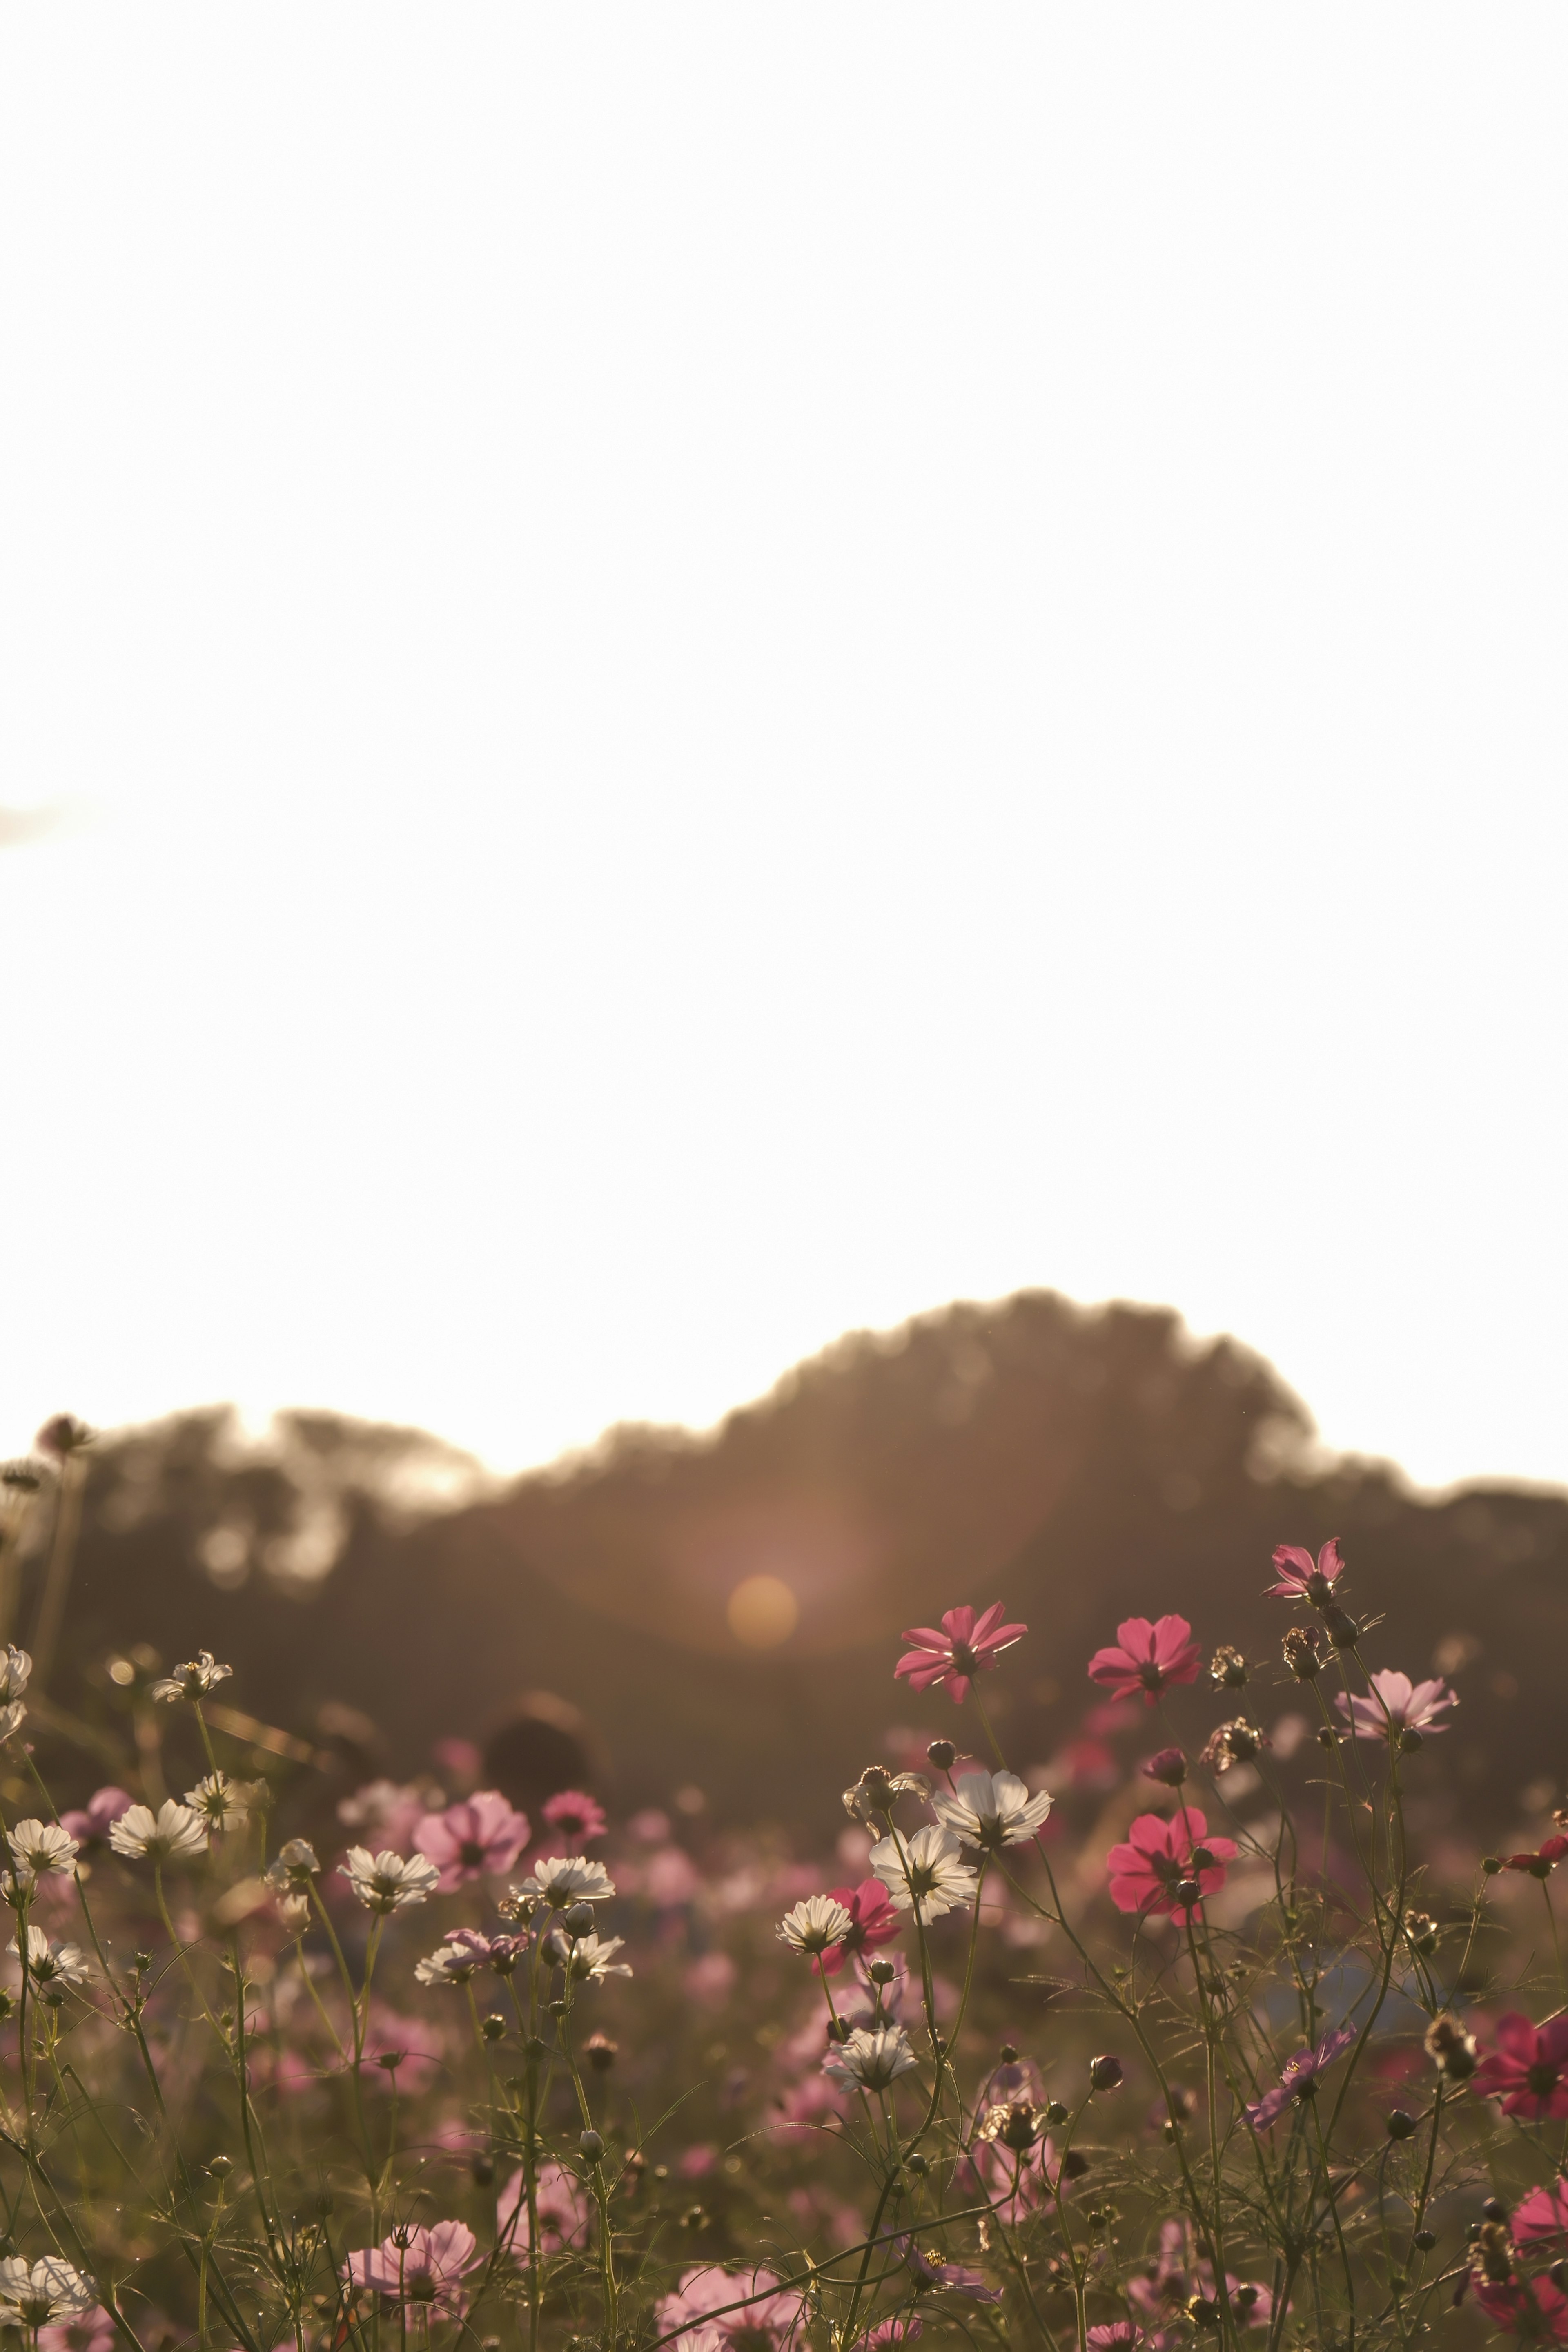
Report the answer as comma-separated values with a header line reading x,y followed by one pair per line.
x,y
1080,1465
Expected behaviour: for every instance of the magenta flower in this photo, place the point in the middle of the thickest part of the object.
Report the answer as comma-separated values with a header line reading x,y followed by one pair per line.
x,y
1295,2075
967,1645
576,1818
1542,2214
421,2266
1149,1656
1159,1856
1526,2070
480,1834
90,1824
901,2328
1412,1707
1303,1579
561,2203
872,1921
1539,2312
1169,1766
932,2274
1111,2334
92,2330
1539,1864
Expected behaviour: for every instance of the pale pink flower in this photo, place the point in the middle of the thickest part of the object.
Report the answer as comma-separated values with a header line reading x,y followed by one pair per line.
x,y
770,2320
561,2202
963,1646
1303,1577
478,1835
1542,2214
669,1878
387,1812
417,2266
88,2331
1149,1655
416,2044
1158,1856
1296,2073
1412,1707
459,1761
574,1821
901,2328
934,2273
89,1825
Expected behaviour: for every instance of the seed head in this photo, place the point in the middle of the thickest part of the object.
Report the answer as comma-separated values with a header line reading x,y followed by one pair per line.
x,y
1227,1668
1304,1652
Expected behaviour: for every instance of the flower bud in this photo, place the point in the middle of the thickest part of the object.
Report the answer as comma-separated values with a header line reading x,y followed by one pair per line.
x,y
1491,1864
1424,2240
1168,1767
1303,1655
1104,2073
1327,1736
481,2171
916,2164
1398,2124
494,2027
1558,2274
942,1754
1421,1934
578,1919
1343,1631
220,2168
880,1972
838,2029
1055,2114
1202,1859
1189,1891
591,2145
1410,1740
602,2052
1009,2054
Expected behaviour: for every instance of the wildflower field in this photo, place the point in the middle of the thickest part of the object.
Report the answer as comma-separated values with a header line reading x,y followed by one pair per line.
x,y
1199,2046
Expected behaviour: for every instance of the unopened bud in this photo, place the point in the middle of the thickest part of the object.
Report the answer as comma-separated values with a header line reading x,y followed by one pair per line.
x,y
492,2026
838,2029
1424,2240
1202,1859
1188,1892
220,2168
1399,2125
880,1972
578,1919
1491,1864
1343,1631
602,2052
942,1754
1410,1740
1168,1767
1327,1736
591,2145
481,2171
1493,2209
1055,2114
1104,2073
1009,2054
918,2165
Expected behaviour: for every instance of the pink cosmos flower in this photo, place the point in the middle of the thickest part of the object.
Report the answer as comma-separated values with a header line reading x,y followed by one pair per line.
x,y
932,2274
872,1921
1158,1856
1016,2183
91,2330
1111,2334
1303,1579
562,2206
1542,2214
90,1824
1149,1656
1296,2073
965,1646
385,1814
1413,1707
901,2328
415,2042
1527,2069
771,2320
1163,2289
1539,1864
1538,2311
480,1834
426,2268
577,1819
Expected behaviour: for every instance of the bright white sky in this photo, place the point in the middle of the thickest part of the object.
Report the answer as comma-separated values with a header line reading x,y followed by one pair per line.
x,y
721,673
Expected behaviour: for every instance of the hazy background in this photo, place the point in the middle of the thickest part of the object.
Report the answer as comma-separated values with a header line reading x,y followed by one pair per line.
x,y
710,676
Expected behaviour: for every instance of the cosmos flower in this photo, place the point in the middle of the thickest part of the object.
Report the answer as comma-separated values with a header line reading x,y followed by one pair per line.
x,y
90,1824
1157,1857
561,2203
579,1820
417,2266
33,2294
1539,2310
878,1791
963,1646
815,1923
925,1873
588,1959
1303,1577
174,1833
1411,1707
1112,2334
454,1962
218,1801
872,1921
385,1810
40,1847
49,1963
901,2328
765,2319
1297,2075
389,1882
1543,1860
478,1835
991,1810
193,1680
1147,1657
1542,2214
933,2273
870,2059
1526,2071
561,1879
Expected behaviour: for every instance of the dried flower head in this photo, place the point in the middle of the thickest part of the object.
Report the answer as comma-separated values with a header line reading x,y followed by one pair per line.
x,y
1451,2049
1235,1742
1227,1668
1304,1652
878,1791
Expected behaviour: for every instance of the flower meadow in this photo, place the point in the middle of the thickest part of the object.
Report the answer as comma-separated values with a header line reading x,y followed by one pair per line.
x,y
1185,2039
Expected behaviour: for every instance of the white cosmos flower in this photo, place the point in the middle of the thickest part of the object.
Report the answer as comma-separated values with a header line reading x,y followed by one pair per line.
x,y
565,1878
11,1718
587,1958
870,2059
991,1810
218,1801
16,1666
32,2295
815,1925
925,1873
174,1833
455,1962
389,1882
193,1680
56,1963
40,1847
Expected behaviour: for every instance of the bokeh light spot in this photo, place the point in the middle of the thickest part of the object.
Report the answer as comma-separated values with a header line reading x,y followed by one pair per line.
x,y
762,1611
